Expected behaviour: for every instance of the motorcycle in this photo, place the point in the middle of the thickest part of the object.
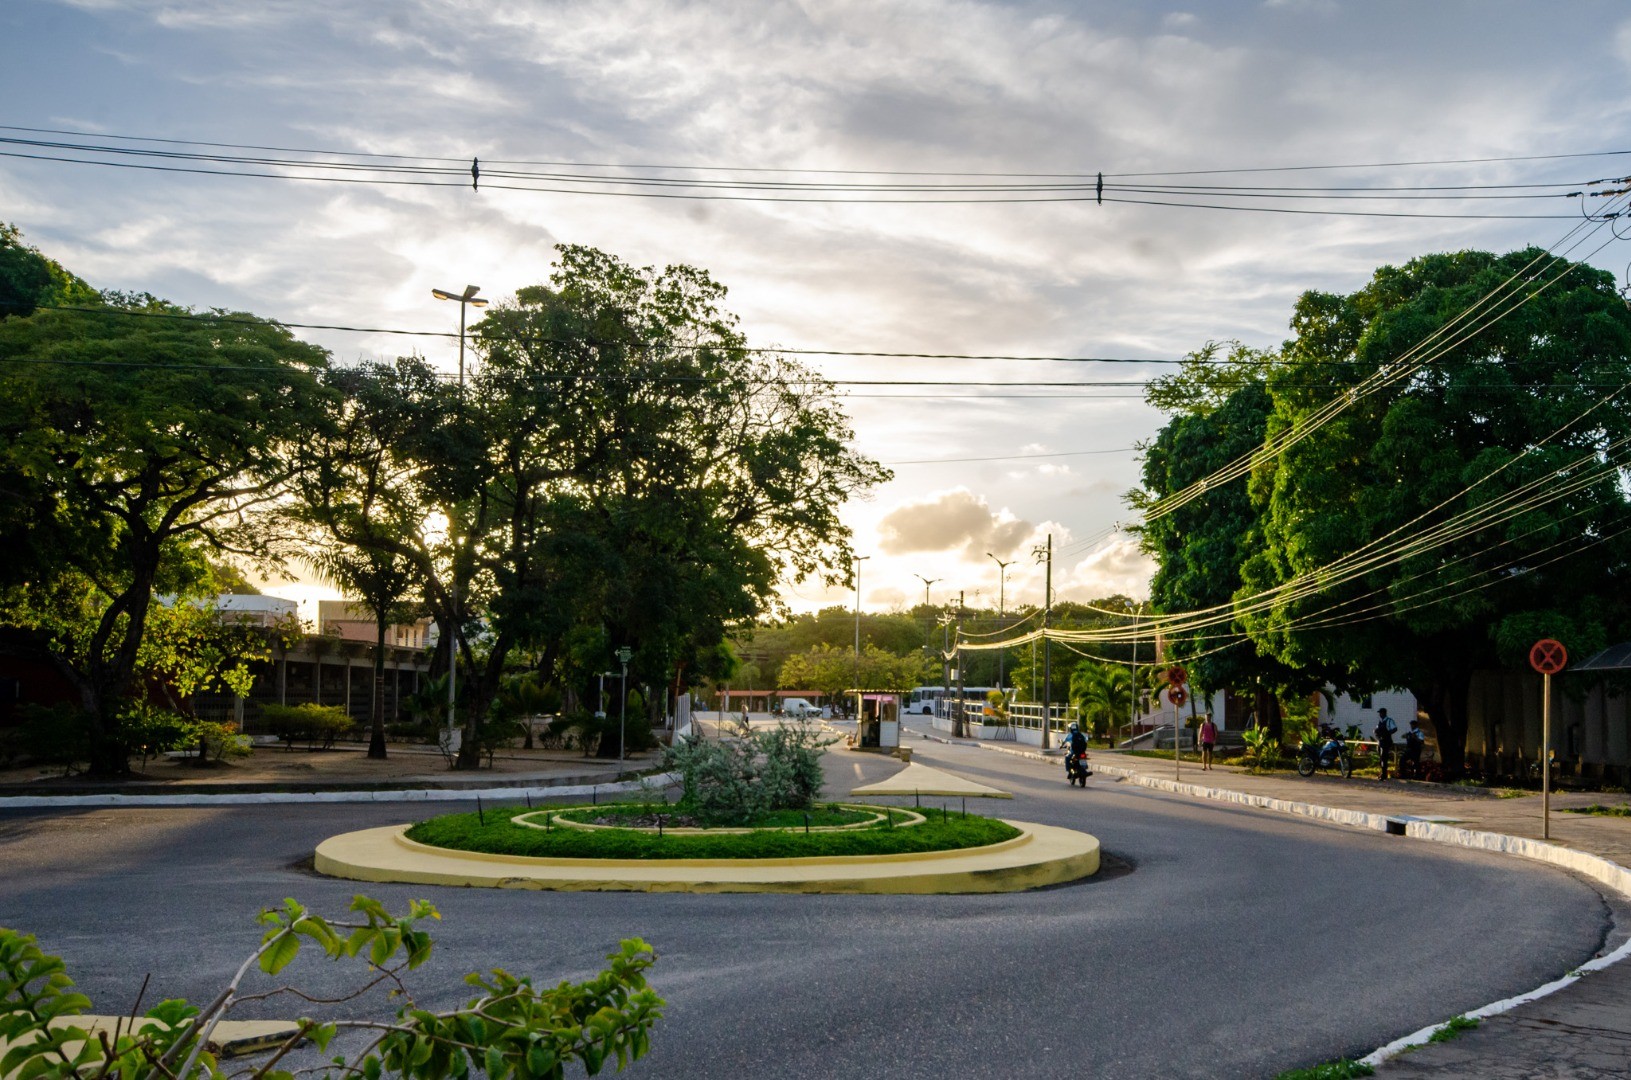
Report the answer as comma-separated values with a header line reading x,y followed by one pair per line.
x,y
1330,751
1077,770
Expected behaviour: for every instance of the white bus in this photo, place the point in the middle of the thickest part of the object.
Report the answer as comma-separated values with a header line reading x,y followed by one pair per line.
x,y
927,700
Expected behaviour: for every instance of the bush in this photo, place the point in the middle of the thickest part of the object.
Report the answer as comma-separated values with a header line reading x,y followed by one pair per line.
x,y
728,780
57,735
150,731
315,725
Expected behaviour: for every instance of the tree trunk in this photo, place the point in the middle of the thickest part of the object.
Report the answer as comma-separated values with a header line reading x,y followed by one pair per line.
x,y
1445,703
376,734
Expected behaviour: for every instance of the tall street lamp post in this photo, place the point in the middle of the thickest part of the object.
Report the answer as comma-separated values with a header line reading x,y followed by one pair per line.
x,y
466,299
1002,587
624,654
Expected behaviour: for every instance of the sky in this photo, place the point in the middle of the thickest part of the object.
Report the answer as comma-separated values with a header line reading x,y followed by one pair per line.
x,y
982,472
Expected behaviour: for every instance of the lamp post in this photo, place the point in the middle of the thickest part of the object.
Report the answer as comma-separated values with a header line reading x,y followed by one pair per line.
x,y
1002,595
623,656
466,299
859,559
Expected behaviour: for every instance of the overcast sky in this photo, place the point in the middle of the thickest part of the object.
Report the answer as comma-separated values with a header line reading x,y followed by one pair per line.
x,y
921,85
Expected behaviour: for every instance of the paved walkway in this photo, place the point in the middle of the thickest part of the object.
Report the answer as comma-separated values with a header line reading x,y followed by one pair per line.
x,y
1582,1030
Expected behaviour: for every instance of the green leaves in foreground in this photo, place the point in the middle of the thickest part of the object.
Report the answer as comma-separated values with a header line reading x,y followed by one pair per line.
x,y
509,1030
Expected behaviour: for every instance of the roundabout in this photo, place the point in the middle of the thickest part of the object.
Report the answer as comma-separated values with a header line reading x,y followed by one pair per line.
x,y
1037,856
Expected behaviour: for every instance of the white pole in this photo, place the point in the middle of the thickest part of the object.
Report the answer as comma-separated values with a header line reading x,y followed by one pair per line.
x,y
1546,756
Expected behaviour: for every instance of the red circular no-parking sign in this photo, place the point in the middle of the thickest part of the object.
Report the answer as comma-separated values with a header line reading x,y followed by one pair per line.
x,y
1177,695
1548,657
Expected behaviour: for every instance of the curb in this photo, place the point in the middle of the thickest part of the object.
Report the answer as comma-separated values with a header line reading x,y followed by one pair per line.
x,y
1604,871
262,798
1042,855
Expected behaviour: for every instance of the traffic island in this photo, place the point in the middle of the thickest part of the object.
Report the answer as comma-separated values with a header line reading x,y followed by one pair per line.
x,y
1030,857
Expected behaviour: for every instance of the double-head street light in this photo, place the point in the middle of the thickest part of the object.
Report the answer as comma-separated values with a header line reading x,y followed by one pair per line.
x,y
1002,596
466,299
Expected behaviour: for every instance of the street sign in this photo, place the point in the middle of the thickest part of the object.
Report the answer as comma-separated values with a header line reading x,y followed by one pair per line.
x,y
1177,676
1177,695
1548,657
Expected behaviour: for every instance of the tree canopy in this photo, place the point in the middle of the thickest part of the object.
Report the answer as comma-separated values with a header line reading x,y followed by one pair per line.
x,y
1468,498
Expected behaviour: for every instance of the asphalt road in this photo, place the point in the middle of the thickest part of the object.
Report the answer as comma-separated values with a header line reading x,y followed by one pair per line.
x,y
1239,944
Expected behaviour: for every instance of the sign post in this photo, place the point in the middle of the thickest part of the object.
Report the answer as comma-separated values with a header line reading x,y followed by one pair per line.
x,y
1547,657
1177,677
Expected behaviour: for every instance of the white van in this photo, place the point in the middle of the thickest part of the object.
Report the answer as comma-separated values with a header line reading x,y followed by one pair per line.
x,y
799,708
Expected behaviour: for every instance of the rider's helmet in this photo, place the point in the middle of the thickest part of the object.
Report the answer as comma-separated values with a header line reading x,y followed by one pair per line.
x,y
1075,726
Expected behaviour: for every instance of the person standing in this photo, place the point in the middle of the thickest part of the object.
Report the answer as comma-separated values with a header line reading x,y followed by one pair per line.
x,y
1386,728
1414,741
1209,739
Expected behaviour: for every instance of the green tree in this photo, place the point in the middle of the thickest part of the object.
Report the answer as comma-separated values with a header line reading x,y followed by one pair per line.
x,y
149,440
29,279
831,671
358,502
1221,408
1514,426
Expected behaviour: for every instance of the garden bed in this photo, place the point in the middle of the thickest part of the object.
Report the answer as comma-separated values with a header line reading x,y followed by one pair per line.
x,y
495,832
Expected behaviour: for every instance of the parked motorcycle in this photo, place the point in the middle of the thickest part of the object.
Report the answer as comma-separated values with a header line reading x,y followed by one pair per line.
x,y
1077,770
1329,752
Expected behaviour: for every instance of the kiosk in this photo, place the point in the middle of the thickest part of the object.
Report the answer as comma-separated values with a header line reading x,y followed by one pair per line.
x,y
878,722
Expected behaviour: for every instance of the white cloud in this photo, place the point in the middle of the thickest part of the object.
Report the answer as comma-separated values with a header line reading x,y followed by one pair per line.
x,y
1115,566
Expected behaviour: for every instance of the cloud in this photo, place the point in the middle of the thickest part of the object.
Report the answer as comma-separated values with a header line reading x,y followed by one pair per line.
x,y
952,520
1116,566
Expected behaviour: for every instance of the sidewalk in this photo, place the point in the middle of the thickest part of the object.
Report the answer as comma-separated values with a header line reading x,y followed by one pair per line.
x,y
343,773
1582,1030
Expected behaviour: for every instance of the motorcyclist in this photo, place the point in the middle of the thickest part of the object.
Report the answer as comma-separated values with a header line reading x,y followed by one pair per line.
x,y
1076,747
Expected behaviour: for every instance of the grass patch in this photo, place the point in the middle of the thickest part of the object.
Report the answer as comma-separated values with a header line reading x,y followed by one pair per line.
x,y
1340,1069
465,832
1454,1029
1599,810
675,816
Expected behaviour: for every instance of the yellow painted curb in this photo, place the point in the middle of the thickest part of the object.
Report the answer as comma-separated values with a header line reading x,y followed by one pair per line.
x,y
1040,855
231,1038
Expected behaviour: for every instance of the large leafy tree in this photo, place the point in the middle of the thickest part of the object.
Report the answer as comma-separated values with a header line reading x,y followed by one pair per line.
x,y
1221,405
140,436
671,474
356,497
1518,426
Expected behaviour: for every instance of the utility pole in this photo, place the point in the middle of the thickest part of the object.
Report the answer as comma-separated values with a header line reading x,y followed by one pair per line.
x,y
859,559
1045,555
960,727
945,663
1002,586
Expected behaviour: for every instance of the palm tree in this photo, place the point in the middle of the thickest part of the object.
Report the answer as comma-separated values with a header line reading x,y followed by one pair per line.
x,y
1103,693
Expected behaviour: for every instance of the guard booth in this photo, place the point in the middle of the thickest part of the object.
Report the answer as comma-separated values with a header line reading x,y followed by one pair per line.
x,y
877,719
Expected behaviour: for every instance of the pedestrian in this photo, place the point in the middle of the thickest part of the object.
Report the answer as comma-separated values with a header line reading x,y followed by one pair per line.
x,y
1386,728
1209,739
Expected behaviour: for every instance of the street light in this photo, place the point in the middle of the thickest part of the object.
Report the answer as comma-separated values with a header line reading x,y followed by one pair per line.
x,y
623,655
859,559
1002,596
927,581
464,300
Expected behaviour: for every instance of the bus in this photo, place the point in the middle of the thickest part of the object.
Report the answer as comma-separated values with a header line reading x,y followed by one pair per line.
x,y
928,700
